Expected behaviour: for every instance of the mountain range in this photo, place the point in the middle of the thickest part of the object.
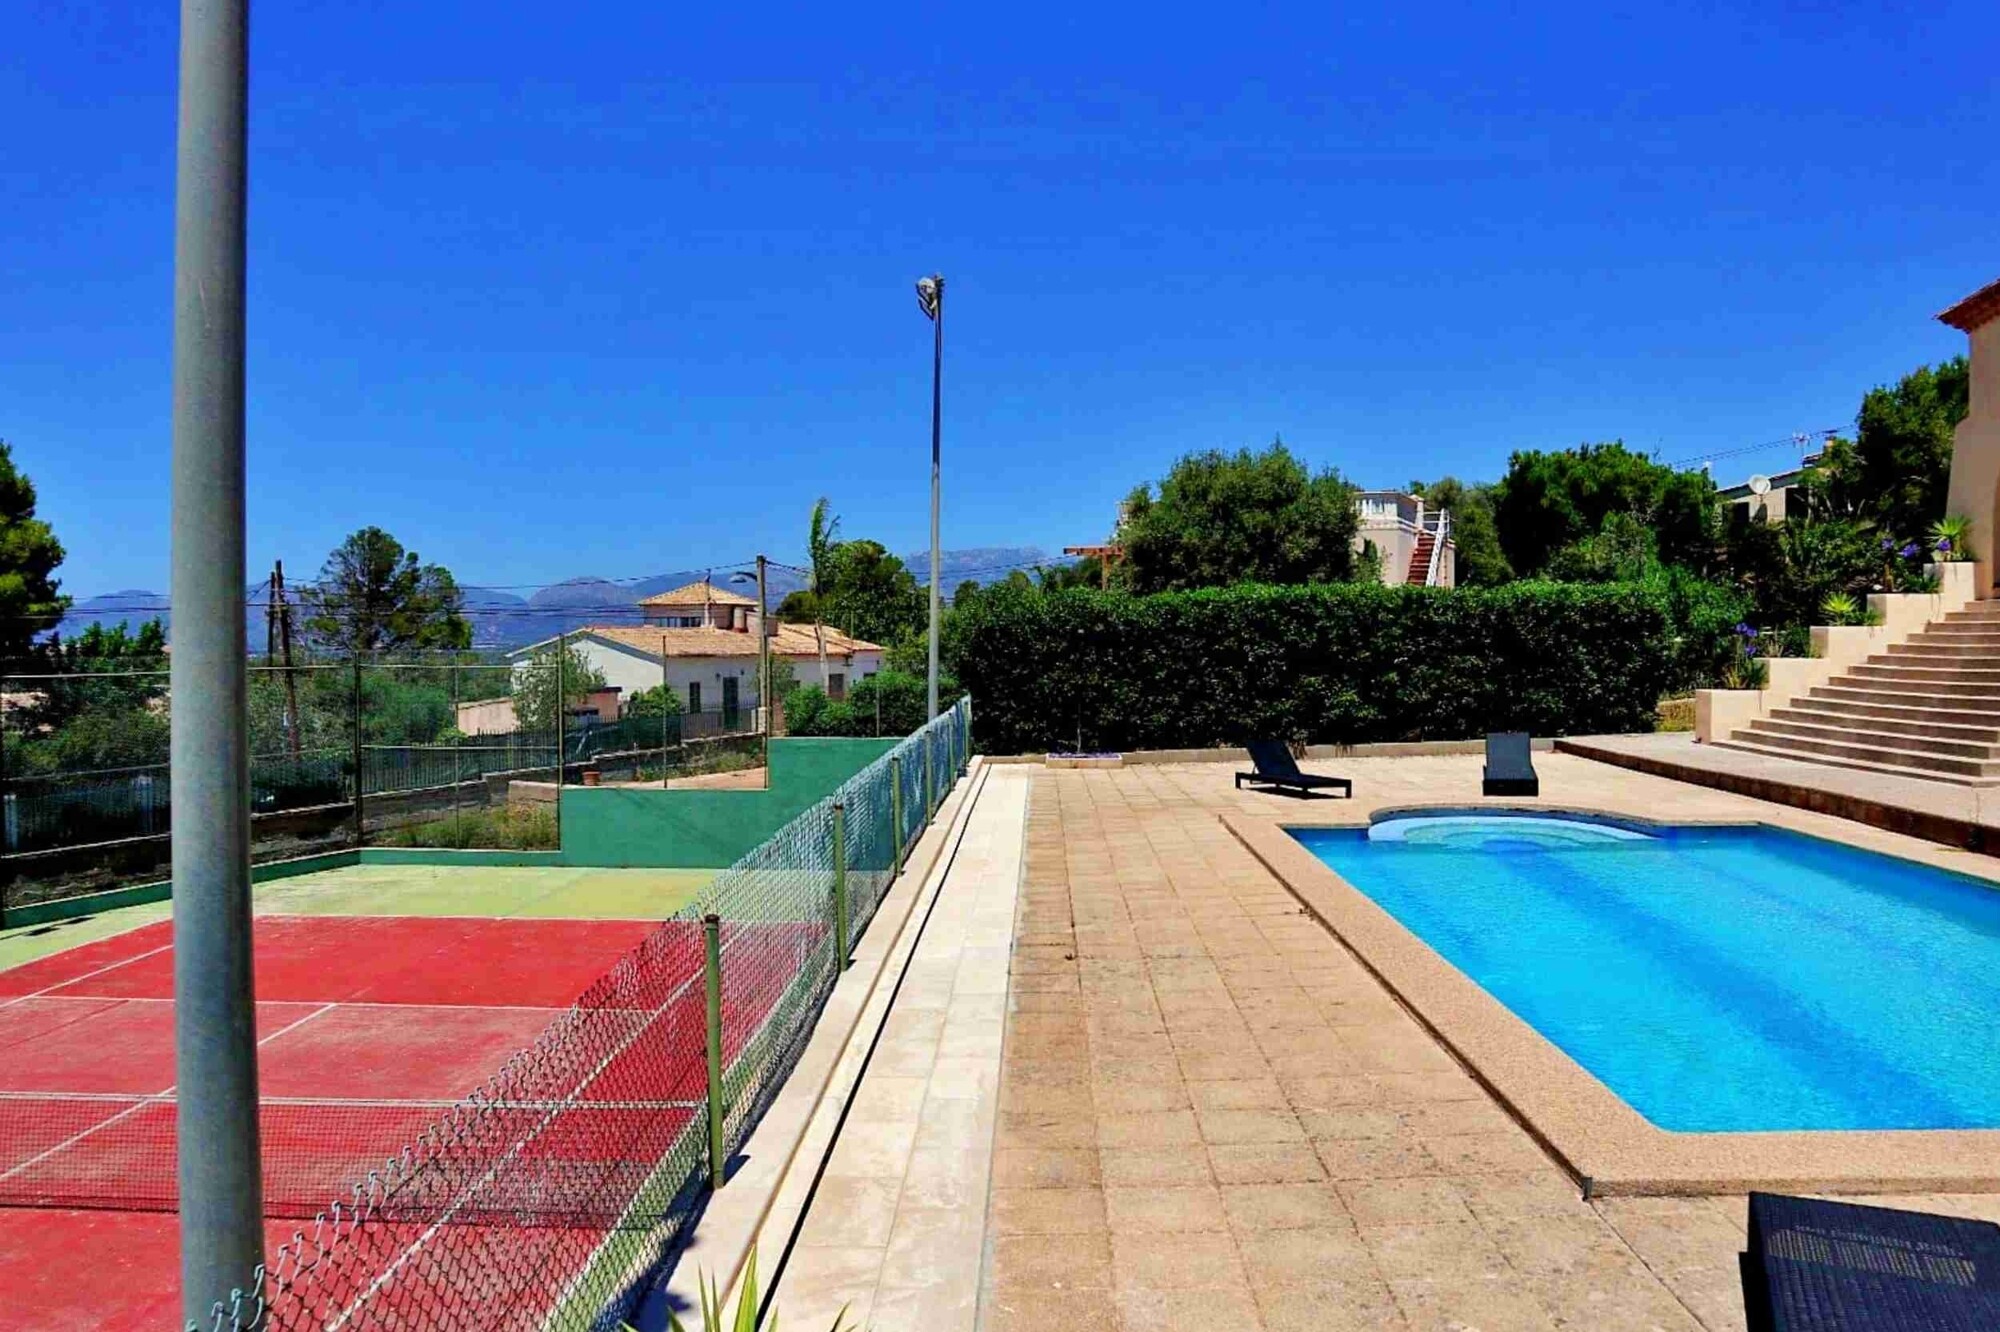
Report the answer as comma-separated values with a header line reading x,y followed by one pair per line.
x,y
504,619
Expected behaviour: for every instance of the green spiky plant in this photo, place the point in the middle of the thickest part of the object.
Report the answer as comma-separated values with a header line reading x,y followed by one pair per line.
x,y
715,1319
1951,538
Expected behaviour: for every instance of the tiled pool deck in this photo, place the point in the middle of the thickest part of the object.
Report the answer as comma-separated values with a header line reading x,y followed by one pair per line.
x,y
1212,1117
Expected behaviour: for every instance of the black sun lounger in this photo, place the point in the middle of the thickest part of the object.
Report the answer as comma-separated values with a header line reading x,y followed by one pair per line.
x,y
1837,1267
1510,765
1276,769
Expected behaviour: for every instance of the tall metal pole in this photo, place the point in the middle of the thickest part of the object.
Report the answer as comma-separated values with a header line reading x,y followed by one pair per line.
x,y
937,423
215,1029
764,655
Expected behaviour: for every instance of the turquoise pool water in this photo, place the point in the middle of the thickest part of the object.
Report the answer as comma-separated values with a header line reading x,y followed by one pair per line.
x,y
1718,980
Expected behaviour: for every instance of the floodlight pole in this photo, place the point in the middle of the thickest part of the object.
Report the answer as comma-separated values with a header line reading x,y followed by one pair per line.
x,y
937,421
215,1030
764,648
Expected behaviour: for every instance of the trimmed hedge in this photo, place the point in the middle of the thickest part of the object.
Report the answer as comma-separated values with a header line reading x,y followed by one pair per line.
x,y
1337,663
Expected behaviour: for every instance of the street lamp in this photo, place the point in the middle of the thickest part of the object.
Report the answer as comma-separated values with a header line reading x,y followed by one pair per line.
x,y
930,298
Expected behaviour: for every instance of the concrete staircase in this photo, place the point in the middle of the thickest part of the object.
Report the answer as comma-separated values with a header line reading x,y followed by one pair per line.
x,y
1928,707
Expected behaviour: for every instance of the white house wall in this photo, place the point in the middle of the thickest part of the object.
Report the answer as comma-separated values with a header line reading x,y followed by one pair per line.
x,y
633,672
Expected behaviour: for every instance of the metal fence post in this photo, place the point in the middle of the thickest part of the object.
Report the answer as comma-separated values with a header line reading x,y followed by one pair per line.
x,y
930,779
841,926
360,758
896,808
711,941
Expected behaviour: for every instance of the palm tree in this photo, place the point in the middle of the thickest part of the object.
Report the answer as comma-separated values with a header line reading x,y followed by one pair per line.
x,y
821,539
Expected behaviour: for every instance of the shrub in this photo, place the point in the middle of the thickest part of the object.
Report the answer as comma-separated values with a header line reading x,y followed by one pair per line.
x,y
1340,663
506,827
890,702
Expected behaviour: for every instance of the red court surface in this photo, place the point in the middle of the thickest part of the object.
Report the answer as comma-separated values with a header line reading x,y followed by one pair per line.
x,y
370,1030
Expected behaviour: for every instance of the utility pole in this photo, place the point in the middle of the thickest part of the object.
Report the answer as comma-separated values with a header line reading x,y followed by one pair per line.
x,y
215,1025
930,296
281,610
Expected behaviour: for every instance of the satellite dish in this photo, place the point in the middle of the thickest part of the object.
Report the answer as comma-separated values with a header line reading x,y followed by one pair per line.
x,y
1760,485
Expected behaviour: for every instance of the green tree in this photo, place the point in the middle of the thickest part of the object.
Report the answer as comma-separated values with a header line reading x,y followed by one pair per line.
x,y
96,672
535,685
1481,562
374,596
872,595
1222,518
1549,499
659,701
1623,551
1902,446
31,599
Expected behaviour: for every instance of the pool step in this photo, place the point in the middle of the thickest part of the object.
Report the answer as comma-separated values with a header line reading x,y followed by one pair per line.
x,y
1741,741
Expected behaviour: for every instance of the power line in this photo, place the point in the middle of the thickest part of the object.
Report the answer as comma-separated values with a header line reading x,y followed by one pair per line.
x,y
1801,441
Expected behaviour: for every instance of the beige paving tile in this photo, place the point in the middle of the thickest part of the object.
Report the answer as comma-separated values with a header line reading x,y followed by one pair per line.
x,y
1501,1303
1439,1251
1046,1168
1047,1211
1153,1167
851,1213
1265,1163
880,1151
1146,1211
1010,1308
1331,1306
1283,1206
1148,1310
1175,1261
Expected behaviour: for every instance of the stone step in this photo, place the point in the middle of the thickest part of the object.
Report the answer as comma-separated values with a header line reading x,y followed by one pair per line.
x,y
1925,674
1942,711
1945,649
1984,629
1984,731
1893,753
1842,732
1749,746
1961,692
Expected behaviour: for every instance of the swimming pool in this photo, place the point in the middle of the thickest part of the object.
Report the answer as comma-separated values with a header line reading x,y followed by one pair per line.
x,y
1717,980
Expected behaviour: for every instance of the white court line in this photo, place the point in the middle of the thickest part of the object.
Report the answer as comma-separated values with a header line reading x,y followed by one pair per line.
x,y
157,1098
113,966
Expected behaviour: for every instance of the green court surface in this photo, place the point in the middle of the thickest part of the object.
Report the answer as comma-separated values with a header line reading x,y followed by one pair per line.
x,y
409,890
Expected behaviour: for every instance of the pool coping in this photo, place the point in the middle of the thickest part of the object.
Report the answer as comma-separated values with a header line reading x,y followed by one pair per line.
x,y
1604,1143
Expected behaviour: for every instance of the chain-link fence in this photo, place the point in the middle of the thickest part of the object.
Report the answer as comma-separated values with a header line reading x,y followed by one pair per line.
x,y
448,750
545,1199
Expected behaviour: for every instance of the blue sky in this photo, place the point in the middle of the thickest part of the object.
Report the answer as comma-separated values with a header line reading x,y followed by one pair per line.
x,y
620,288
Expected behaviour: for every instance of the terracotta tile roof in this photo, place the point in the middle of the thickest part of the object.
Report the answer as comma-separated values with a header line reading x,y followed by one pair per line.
x,y
700,593
1982,307
791,640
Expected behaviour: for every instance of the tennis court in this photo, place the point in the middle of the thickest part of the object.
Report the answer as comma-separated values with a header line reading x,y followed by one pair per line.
x,y
582,1037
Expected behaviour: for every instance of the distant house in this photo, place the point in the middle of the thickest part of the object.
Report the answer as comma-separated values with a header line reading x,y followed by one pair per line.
x,y
699,605
1766,497
495,716
1413,536
701,641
